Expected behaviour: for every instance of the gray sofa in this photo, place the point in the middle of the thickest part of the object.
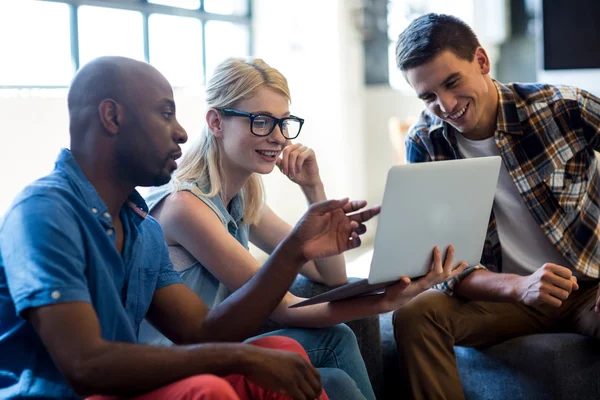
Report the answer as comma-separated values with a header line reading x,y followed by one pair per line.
x,y
549,366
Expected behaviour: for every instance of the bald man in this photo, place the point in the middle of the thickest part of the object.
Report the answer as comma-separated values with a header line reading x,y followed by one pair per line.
x,y
81,264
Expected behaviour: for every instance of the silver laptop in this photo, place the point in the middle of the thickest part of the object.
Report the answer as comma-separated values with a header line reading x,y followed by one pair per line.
x,y
424,205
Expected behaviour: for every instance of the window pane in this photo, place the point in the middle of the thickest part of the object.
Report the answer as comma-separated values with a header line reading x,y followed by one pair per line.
x,y
189,4
224,39
35,44
176,48
124,38
226,7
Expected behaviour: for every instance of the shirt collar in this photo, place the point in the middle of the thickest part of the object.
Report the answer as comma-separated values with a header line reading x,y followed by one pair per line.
x,y
509,118
67,164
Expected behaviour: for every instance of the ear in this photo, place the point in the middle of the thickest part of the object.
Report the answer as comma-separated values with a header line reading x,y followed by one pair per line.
x,y
214,121
111,115
482,60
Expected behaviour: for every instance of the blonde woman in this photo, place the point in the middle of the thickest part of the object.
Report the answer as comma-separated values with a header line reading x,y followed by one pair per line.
x,y
214,206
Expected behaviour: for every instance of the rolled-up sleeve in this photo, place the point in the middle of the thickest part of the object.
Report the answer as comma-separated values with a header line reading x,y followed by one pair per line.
x,y
42,254
167,274
449,286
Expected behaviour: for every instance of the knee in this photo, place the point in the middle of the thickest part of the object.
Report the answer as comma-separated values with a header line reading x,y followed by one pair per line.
x,y
339,385
279,343
343,334
208,387
420,314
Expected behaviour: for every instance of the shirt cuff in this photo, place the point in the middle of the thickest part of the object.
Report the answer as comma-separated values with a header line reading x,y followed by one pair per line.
x,y
48,297
448,286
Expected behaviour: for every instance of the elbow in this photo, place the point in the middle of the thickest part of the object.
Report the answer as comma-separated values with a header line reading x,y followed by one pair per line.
x,y
329,280
339,282
335,281
86,376
83,380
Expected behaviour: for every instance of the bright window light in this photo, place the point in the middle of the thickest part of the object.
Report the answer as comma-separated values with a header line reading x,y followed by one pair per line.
x,y
226,7
188,4
124,38
35,44
176,48
224,39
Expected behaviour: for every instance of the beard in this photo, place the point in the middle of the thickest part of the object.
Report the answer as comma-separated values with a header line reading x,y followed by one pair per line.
x,y
164,176
161,179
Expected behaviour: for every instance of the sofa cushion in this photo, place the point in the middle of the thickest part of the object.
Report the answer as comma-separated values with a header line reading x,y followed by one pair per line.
x,y
543,366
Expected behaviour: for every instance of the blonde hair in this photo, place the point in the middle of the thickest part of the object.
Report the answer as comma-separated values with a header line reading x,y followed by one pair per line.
x,y
234,80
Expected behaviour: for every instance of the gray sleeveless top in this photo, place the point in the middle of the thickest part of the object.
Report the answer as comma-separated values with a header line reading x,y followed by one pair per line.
x,y
193,273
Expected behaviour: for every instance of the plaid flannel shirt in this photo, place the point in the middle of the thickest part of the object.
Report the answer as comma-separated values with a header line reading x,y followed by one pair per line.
x,y
546,136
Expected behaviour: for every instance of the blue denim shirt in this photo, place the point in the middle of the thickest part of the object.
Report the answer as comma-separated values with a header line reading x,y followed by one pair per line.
x,y
57,245
195,275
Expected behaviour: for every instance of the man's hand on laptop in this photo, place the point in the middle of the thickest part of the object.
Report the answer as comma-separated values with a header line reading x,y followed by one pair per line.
x,y
401,292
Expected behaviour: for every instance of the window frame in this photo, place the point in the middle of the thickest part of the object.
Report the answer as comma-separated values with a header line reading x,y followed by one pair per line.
x,y
145,9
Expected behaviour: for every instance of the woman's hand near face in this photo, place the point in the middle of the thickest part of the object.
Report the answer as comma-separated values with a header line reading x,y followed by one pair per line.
x,y
299,164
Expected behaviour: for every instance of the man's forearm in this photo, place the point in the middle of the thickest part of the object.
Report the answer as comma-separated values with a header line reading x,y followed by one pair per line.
x,y
242,313
485,285
124,369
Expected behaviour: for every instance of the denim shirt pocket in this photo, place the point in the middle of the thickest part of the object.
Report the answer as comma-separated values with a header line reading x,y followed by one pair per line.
x,y
147,279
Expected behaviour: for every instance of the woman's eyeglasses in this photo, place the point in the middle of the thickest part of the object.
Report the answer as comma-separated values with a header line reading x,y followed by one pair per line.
x,y
264,124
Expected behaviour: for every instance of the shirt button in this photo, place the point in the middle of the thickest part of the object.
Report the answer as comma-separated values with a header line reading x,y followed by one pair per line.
x,y
106,215
109,232
94,210
55,295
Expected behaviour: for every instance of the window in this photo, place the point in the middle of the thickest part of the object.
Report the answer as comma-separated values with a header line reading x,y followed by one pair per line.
x,y
183,38
44,42
225,39
187,4
35,44
124,38
176,48
226,7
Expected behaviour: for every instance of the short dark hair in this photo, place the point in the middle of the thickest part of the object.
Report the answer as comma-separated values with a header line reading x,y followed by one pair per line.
x,y
429,35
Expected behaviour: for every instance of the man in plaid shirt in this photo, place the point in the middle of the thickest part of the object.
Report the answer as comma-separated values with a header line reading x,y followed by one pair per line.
x,y
541,261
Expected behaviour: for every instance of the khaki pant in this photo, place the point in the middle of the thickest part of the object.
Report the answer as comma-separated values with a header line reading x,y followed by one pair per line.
x,y
428,327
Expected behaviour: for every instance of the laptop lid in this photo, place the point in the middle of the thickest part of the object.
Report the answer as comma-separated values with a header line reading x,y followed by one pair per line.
x,y
433,204
426,205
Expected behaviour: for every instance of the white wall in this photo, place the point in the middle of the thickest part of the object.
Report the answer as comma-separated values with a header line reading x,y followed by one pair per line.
x,y
381,104
32,130
314,45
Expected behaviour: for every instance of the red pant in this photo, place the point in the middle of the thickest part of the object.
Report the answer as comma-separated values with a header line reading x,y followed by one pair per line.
x,y
232,387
